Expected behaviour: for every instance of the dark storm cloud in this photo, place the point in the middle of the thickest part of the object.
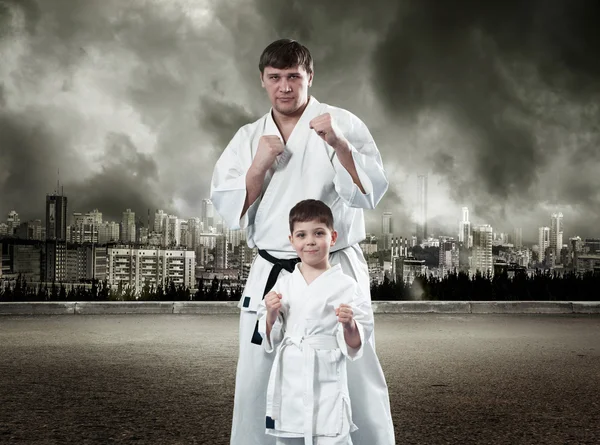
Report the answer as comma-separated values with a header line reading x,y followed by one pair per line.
x,y
25,167
496,98
223,119
126,179
453,57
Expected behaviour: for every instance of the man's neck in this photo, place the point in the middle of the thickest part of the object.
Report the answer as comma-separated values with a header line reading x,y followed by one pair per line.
x,y
285,120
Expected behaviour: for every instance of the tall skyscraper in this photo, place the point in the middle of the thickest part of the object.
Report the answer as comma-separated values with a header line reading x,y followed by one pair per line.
x,y
518,237
386,230
160,218
128,227
556,234
56,217
543,242
482,249
208,213
421,208
464,229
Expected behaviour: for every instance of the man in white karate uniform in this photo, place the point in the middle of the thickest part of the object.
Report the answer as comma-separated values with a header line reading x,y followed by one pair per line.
x,y
300,149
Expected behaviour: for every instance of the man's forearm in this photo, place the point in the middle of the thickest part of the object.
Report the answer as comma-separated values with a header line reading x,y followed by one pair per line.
x,y
254,184
344,154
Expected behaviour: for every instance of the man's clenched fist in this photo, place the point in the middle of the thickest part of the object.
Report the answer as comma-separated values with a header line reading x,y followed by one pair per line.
x,y
269,147
325,126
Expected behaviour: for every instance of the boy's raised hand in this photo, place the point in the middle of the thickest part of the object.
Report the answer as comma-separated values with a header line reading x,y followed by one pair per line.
x,y
273,304
345,316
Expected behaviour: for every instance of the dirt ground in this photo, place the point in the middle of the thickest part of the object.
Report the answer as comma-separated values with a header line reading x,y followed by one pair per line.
x,y
169,379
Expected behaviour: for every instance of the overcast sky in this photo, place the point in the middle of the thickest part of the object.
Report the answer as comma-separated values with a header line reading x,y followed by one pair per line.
x,y
133,101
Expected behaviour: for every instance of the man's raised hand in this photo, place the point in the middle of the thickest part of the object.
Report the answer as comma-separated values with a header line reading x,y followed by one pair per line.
x,y
269,147
325,126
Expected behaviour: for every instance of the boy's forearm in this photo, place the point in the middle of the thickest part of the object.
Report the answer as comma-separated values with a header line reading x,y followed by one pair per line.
x,y
352,336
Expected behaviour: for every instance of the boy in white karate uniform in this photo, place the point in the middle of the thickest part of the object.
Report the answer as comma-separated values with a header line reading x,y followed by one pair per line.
x,y
315,319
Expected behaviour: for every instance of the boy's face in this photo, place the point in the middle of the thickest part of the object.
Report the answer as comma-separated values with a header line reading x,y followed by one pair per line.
x,y
312,241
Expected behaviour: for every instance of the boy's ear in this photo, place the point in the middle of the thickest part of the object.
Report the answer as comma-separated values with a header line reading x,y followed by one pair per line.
x,y
290,238
333,237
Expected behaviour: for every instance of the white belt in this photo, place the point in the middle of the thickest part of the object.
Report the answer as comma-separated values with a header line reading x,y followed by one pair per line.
x,y
307,345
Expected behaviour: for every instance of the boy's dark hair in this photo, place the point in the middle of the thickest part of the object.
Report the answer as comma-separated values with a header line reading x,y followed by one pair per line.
x,y
311,210
286,53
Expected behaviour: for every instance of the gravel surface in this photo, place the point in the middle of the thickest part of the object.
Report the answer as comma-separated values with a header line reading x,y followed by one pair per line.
x,y
169,379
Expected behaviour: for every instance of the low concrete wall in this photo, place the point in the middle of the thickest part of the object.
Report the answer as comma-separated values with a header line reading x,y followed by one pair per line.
x,y
230,307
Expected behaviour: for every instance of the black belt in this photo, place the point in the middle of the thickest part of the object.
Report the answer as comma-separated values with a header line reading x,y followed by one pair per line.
x,y
278,266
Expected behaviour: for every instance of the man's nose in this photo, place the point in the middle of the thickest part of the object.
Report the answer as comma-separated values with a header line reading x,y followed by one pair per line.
x,y
285,85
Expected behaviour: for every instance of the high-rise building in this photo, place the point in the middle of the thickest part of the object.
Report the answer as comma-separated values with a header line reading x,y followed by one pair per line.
x,y
208,213
13,221
518,237
482,260
421,208
85,227
56,217
128,227
221,252
543,242
173,234
449,256
160,219
556,234
464,229
387,230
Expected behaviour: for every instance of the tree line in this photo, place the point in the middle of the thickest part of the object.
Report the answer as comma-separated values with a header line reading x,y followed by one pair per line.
x,y
460,286
456,286
208,290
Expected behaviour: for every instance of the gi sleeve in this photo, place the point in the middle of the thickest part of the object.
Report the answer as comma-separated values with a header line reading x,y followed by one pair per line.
x,y
277,331
369,167
228,185
363,316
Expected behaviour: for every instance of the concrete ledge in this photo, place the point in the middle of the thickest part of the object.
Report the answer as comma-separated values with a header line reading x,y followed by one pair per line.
x,y
38,308
206,307
419,307
521,307
586,307
123,307
230,307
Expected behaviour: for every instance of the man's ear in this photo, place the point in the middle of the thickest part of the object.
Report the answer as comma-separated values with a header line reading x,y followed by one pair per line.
x,y
310,78
262,82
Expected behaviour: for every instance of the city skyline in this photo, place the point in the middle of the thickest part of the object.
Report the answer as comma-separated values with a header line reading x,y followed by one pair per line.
x,y
134,103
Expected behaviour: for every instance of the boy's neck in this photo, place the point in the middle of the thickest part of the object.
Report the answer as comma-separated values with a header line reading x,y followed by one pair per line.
x,y
311,273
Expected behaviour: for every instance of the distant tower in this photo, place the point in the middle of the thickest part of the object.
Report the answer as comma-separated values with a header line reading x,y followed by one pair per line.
x,y
128,227
421,208
543,242
386,229
56,217
482,249
556,234
464,229
518,237
208,214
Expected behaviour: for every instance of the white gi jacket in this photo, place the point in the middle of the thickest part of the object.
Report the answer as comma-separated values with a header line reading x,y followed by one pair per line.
x,y
310,364
307,169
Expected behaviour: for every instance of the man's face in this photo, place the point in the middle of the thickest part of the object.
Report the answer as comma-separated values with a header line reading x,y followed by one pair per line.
x,y
287,88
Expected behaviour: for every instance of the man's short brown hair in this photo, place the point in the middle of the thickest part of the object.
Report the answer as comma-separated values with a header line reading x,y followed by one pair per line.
x,y
311,210
286,53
